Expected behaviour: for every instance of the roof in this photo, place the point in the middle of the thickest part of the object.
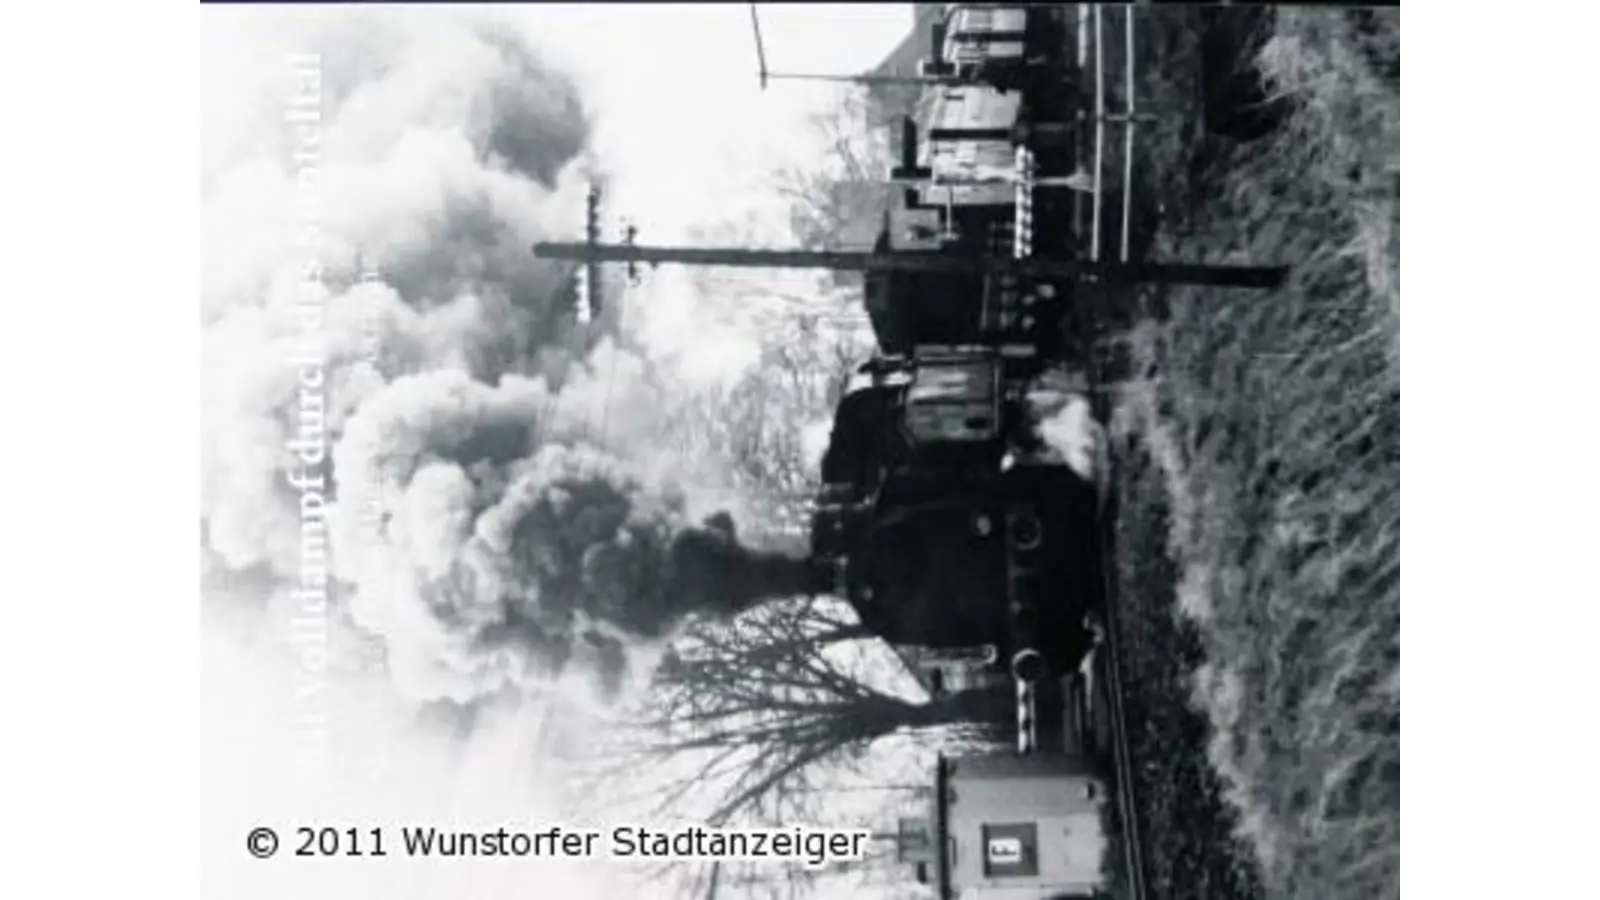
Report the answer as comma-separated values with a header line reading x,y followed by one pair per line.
x,y
917,45
893,100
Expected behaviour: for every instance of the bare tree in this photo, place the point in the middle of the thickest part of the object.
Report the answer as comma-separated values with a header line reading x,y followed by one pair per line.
x,y
766,721
777,693
757,429
842,201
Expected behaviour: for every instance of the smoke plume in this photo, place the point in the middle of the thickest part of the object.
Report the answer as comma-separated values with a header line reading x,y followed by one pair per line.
x,y
1065,425
492,546
403,424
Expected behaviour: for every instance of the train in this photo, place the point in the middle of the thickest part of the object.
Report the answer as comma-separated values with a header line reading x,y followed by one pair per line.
x,y
944,516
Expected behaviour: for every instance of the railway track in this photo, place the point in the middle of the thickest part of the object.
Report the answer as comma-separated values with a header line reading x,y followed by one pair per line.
x,y
1092,27
1127,806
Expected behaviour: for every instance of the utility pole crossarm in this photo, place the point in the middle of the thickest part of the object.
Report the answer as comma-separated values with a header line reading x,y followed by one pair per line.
x,y
1112,273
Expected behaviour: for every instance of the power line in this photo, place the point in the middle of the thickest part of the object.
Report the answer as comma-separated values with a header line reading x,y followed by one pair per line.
x,y
867,79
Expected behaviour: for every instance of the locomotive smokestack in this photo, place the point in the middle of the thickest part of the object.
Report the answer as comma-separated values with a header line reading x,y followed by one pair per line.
x,y
708,568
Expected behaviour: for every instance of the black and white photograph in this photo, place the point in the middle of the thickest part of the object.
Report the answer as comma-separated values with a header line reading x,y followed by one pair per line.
x,y
800,451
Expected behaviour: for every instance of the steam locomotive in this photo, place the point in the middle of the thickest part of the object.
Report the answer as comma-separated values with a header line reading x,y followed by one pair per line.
x,y
947,520
944,517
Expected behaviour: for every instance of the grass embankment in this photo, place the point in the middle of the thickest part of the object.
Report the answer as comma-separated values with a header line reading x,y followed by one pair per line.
x,y
1258,433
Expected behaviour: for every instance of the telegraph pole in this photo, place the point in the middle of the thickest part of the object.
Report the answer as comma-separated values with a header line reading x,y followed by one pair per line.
x,y
590,300
590,305
593,252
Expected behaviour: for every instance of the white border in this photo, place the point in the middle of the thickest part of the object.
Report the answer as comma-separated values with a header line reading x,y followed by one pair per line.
x,y
99,642
1499,623
99,660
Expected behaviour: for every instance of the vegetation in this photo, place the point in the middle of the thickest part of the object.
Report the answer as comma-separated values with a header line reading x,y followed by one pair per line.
x,y
840,203
1259,438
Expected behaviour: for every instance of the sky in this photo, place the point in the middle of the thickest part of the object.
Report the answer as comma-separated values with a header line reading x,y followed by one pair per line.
x,y
682,118
691,139
687,139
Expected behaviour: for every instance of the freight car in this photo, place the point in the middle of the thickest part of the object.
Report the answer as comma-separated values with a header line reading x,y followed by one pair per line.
x,y
1029,827
994,43
1001,95
979,163
908,309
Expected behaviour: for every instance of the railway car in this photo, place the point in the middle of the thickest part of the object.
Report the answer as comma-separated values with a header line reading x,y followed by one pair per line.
x,y
962,172
1012,828
995,43
1000,121
971,147
908,309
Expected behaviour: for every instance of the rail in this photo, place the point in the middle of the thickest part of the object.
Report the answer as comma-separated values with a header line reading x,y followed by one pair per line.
x,y
1133,853
1127,808
1091,47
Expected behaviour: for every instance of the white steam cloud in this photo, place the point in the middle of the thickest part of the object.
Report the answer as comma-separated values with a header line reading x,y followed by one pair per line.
x,y
406,477
1065,424
430,157
406,431
371,185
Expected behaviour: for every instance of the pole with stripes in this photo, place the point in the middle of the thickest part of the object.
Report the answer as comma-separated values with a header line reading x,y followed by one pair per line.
x,y
1023,230
1027,719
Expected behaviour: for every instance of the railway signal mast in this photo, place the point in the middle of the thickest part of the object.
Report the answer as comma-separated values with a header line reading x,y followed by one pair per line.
x,y
589,275
590,301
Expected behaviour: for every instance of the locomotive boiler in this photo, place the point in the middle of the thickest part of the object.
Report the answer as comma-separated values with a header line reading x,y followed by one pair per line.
x,y
946,520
